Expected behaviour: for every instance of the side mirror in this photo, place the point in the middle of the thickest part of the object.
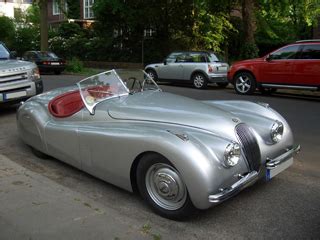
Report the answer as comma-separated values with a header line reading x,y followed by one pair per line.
x,y
165,62
13,55
268,58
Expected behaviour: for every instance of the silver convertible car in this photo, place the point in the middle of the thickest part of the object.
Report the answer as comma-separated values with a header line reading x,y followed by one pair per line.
x,y
178,153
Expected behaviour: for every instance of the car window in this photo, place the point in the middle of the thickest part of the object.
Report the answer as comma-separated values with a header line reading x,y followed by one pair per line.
x,y
213,58
310,52
285,53
198,57
173,57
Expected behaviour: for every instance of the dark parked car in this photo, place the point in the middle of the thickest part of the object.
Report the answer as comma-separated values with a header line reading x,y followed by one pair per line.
x,y
293,66
46,61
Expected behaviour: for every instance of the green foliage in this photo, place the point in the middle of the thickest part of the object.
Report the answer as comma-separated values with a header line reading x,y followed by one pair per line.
x,y
74,65
27,38
249,50
67,30
282,22
33,15
73,9
7,31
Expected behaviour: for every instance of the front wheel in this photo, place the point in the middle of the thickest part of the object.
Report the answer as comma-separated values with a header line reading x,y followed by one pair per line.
x,y
199,81
152,74
244,83
163,188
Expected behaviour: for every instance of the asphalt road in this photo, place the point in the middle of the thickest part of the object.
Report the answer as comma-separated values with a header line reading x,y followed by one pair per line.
x,y
288,207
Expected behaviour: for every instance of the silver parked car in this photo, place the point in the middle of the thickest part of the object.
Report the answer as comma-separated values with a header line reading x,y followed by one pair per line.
x,y
18,79
180,154
199,68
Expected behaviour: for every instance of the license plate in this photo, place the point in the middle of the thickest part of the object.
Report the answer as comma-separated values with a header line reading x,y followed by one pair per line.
x,y
222,69
275,171
55,63
15,95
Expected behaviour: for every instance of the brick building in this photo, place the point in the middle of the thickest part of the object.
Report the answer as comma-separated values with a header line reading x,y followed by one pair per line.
x,y
11,8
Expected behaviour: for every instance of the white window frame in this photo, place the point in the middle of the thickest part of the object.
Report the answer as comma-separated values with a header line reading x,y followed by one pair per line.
x,y
87,9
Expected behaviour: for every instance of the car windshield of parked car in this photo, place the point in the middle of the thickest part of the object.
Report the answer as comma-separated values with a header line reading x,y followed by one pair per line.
x,y
47,55
4,54
114,83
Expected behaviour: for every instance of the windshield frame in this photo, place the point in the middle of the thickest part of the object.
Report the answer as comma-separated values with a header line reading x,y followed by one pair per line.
x,y
4,49
109,84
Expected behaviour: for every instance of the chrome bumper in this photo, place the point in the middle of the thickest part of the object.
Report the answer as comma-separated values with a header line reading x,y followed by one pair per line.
x,y
272,163
251,177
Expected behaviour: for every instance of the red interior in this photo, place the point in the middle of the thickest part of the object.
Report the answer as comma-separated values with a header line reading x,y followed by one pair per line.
x,y
66,104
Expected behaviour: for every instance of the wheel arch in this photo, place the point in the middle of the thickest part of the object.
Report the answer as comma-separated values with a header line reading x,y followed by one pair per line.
x,y
198,71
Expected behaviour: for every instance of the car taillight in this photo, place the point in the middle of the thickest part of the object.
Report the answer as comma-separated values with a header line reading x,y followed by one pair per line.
x,y
45,63
211,68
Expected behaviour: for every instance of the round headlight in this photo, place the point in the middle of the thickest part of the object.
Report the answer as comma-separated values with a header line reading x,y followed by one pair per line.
x,y
232,154
276,131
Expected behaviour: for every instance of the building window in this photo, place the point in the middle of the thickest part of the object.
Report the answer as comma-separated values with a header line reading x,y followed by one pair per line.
x,y
88,11
57,5
148,33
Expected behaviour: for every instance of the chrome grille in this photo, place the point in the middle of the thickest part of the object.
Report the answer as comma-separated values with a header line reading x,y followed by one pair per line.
x,y
13,77
249,145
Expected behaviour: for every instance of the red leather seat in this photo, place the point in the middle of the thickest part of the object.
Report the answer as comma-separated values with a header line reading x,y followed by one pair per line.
x,y
66,104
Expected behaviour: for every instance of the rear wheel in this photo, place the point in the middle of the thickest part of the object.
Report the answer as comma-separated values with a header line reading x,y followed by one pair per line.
x,y
162,187
244,83
199,81
152,74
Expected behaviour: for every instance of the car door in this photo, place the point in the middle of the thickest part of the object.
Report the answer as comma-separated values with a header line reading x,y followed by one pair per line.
x,y
307,67
277,68
172,68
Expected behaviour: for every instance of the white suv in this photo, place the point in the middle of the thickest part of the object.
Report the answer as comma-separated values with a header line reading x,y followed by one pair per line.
x,y
198,67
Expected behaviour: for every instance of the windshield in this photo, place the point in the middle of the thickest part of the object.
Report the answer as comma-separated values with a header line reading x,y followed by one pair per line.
x,y
47,54
4,54
114,83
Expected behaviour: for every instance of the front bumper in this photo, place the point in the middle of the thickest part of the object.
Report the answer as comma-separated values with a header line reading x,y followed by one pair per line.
x,y
251,177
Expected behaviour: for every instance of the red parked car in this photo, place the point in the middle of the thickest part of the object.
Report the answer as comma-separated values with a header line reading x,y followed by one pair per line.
x,y
294,66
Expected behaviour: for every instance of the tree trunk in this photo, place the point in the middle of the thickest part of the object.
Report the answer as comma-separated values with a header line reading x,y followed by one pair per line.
x,y
43,4
249,20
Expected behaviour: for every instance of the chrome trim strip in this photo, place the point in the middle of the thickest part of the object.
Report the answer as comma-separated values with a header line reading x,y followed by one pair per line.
x,y
272,163
289,86
235,188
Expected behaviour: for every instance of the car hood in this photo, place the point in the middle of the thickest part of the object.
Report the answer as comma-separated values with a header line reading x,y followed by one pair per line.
x,y
172,109
14,65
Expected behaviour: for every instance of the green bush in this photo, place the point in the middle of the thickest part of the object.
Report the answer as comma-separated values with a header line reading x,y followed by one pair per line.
x,y
7,31
249,50
74,65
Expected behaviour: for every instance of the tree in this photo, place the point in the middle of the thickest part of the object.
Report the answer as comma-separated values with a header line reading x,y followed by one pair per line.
x,y
7,30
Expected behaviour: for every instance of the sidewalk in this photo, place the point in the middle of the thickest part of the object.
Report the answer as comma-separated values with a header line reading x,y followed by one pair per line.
x,y
34,207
